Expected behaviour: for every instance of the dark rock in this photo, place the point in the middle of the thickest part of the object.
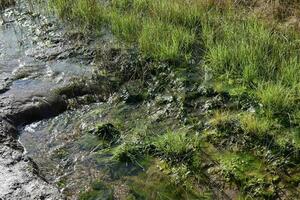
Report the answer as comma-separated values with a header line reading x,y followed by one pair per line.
x,y
133,99
6,3
132,93
27,94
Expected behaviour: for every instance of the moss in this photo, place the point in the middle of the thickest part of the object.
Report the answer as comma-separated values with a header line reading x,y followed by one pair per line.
x,y
249,173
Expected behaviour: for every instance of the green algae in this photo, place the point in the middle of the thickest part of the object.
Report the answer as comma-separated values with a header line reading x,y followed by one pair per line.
x,y
154,184
98,191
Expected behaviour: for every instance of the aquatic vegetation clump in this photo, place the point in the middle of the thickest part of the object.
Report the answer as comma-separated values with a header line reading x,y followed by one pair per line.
x,y
175,146
107,132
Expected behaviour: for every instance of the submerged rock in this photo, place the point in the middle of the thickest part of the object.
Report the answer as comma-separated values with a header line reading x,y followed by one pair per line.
x,y
133,93
6,3
133,98
27,84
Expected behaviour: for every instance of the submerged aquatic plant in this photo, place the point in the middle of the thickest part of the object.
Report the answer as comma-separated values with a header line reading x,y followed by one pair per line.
x,y
98,190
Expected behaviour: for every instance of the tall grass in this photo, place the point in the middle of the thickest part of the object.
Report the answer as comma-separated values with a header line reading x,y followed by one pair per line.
x,y
243,55
263,60
165,42
245,49
62,8
126,27
86,13
276,98
237,47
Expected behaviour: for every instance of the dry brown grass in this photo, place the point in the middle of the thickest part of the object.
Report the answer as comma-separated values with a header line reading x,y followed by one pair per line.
x,y
282,13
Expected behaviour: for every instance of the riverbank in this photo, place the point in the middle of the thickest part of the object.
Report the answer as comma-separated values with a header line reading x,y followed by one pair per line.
x,y
35,62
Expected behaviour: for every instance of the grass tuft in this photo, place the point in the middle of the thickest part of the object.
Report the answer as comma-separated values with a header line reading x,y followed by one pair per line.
x,y
276,98
126,27
174,144
252,124
165,42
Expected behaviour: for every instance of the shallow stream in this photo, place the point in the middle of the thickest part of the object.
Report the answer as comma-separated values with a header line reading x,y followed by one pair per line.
x,y
35,59
75,160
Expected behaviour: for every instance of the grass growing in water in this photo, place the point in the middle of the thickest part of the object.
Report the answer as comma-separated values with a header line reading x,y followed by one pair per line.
x,y
174,144
276,98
